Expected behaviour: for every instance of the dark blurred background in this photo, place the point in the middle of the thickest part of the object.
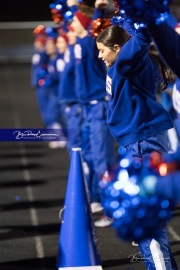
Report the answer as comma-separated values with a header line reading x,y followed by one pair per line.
x,y
34,10
24,10
18,19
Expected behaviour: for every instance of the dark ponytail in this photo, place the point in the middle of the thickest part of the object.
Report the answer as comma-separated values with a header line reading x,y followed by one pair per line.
x,y
165,72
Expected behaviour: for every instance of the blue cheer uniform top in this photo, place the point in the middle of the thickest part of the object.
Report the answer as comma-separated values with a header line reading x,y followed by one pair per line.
x,y
133,113
90,71
38,60
66,91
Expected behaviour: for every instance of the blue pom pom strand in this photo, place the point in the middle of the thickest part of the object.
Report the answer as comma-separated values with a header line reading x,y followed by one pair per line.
x,y
135,217
146,11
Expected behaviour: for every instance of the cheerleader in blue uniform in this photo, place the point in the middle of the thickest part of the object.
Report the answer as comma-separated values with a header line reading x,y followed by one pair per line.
x,y
167,41
90,74
136,120
129,91
68,101
66,91
50,83
38,64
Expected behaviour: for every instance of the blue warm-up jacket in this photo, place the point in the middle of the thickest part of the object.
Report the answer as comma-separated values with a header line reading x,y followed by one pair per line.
x,y
134,113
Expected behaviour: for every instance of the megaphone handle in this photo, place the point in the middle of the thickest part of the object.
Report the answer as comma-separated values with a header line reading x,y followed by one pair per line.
x,y
60,214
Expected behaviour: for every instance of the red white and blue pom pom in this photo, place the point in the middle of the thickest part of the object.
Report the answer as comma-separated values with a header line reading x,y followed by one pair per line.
x,y
136,216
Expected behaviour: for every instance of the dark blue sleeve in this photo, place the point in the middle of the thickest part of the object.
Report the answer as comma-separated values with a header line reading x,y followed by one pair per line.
x,y
168,44
169,186
134,53
73,9
128,25
52,78
98,13
171,21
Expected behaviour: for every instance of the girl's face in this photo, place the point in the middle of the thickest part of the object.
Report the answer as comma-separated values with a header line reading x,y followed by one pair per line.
x,y
50,48
61,44
39,46
107,55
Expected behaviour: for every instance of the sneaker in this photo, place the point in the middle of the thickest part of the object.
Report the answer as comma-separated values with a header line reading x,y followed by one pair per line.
x,y
134,244
96,207
57,144
103,222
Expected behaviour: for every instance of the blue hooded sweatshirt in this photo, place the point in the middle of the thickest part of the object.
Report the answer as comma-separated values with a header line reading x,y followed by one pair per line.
x,y
134,113
66,91
39,61
90,71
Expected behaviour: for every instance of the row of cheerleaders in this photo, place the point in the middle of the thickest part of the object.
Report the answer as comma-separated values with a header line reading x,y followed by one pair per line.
x,y
99,78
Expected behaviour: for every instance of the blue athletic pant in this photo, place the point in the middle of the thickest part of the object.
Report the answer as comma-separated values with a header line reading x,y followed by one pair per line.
x,y
97,145
73,116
